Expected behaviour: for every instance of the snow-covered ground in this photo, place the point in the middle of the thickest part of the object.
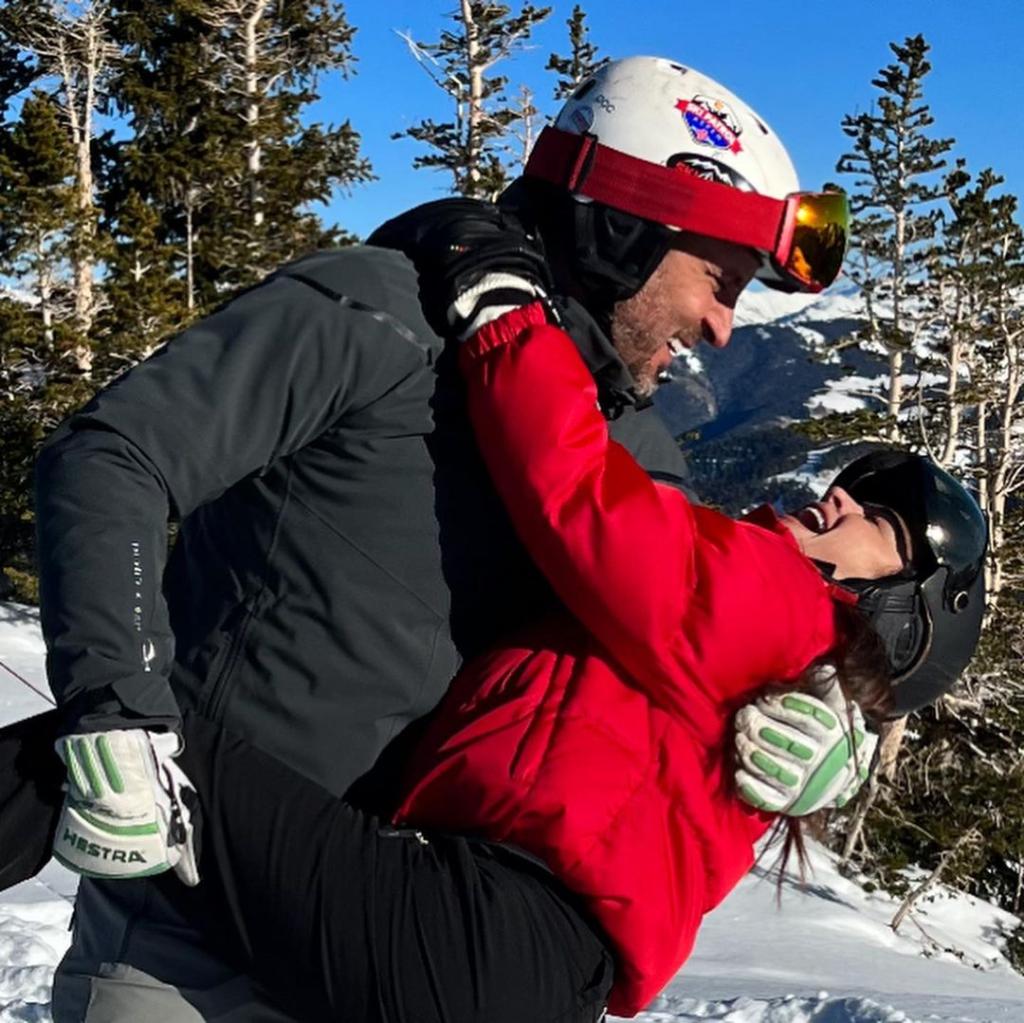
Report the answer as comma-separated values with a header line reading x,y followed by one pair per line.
x,y
827,956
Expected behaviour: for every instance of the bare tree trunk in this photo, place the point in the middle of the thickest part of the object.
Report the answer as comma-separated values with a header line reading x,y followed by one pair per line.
x,y
528,112
475,111
74,46
953,422
982,459
969,837
1000,485
892,733
254,149
895,398
77,74
190,256
44,284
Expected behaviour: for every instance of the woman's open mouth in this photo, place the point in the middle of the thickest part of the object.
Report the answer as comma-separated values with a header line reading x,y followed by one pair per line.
x,y
812,518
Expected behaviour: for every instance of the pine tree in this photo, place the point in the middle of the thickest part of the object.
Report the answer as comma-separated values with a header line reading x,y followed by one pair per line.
x,y
998,275
977,346
952,296
178,158
40,376
72,48
472,146
264,62
17,70
951,802
896,163
38,200
145,297
582,60
215,93
525,130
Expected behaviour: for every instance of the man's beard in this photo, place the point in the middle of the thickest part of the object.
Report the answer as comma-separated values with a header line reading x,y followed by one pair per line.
x,y
638,329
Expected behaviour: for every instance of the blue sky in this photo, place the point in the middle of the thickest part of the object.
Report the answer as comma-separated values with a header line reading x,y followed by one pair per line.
x,y
802,66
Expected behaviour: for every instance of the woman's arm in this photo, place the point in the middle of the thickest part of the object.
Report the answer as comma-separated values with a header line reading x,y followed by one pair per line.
x,y
617,547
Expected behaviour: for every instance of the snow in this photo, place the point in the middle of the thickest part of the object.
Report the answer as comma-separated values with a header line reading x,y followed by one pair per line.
x,y
34,916
21,654
761,307
828,955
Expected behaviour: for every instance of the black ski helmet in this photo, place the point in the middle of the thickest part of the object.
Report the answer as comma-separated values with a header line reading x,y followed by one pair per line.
x,y
929,616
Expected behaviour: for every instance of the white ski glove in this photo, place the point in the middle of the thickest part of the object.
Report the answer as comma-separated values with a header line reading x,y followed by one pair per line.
x,y
127,806
795,754
490,297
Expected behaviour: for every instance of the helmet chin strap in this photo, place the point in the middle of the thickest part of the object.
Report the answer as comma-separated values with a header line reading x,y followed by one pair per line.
x,y
826,568
892,607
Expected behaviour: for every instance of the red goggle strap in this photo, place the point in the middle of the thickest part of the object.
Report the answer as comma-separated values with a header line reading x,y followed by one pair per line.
x,y
666,195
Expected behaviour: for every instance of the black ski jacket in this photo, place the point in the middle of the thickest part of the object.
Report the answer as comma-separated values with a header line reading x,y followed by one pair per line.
x,y
340,549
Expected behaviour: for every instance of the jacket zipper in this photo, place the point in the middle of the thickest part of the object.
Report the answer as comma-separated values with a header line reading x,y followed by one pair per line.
x,y
219,690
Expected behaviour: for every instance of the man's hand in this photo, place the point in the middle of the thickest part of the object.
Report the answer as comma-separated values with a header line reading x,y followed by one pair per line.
x,y
795,751
128,808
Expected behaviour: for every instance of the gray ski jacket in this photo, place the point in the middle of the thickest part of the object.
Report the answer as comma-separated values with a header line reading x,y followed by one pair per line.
x,y
340,549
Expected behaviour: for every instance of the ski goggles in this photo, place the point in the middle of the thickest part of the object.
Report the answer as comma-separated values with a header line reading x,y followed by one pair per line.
x,y
802,238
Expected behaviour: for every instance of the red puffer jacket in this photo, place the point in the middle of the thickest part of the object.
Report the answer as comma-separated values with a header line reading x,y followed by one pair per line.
x,y
600,744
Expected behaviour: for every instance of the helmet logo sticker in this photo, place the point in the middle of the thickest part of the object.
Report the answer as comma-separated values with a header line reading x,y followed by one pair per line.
x,y
709,169
582,118
711,123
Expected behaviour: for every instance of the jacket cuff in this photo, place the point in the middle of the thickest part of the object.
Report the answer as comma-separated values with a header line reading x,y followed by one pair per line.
x,y
129,703
504,330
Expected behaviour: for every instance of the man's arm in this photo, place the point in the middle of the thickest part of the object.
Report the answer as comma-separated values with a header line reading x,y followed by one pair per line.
x,y
252,383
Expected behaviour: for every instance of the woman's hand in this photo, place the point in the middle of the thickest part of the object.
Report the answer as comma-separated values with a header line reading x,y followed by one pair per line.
x,y
801,752
474,259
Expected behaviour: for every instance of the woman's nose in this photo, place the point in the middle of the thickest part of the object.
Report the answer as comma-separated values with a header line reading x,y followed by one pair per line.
x,y
843,503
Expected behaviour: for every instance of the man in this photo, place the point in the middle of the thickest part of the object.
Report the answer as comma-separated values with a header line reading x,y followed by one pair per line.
x,y
340,549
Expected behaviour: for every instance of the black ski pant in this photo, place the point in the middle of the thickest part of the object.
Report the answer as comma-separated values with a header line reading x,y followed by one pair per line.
x,y
341,917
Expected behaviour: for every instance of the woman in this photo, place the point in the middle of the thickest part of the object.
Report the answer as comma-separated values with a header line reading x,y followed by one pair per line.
x,y
583,762
593,772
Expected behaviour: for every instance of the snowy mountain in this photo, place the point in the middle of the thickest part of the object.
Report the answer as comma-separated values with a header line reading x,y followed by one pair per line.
x,y
827,955
773,367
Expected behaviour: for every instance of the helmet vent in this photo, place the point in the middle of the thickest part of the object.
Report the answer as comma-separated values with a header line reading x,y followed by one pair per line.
x,y
764,130
960,601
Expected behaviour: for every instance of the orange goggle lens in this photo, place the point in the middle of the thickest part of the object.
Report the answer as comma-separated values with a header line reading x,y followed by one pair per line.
x,y
814,237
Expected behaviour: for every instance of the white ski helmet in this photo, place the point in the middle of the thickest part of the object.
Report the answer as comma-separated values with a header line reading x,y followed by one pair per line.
x,y
672,115
647,147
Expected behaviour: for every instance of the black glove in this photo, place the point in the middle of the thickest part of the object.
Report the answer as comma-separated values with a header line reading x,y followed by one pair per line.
x,y
475,261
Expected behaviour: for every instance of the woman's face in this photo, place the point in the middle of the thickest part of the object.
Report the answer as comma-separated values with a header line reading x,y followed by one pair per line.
x,y
861,541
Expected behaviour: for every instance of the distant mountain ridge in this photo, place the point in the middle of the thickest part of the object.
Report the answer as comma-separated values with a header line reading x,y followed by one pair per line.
x,y
770,371
733,407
